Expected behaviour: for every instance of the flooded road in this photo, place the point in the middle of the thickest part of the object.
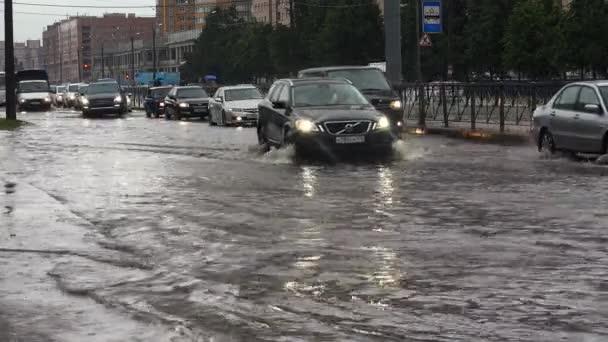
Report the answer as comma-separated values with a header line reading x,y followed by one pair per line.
x,y
150,230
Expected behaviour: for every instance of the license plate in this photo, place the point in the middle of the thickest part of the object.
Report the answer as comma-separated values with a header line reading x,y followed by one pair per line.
x,y
35,102
199,110
357,139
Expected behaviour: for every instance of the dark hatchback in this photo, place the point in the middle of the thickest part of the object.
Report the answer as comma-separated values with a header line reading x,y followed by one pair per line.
x,y
189,101
372,83
104,98
154,105
322,115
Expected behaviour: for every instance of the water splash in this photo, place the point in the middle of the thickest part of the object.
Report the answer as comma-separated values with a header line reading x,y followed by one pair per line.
x,y
285,155
409,150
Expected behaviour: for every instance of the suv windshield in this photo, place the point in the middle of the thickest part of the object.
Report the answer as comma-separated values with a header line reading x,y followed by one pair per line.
x,y
604,91
73,88
364,79
33,87
191,93
160,93
327,94
84,88
101,88
61,89
243,94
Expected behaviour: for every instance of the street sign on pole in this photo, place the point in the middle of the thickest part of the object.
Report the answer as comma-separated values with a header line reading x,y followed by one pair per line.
x,y
425,41
431,16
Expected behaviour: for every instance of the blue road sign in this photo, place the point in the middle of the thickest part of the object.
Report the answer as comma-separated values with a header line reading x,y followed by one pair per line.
x,y
431,16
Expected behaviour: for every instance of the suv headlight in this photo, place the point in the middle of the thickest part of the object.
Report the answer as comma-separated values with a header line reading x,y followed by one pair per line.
x,y
183,105
396,105
306,126
85,101
383,123
118,99
21,100
47,99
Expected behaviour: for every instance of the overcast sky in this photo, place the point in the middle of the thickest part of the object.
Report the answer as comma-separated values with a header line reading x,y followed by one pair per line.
x,y
30,26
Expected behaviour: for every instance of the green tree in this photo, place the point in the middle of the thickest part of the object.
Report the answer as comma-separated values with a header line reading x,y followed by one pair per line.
x,y
585,28
529,39
485,29
350,35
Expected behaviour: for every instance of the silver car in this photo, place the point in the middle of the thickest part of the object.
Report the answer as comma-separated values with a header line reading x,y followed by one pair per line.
x,y
574,120
235,105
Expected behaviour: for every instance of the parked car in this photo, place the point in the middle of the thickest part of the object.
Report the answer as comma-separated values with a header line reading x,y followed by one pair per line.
x,y
322,115
372,83
154,104
188,101
82,90
33,90
236,105
104,98
574,120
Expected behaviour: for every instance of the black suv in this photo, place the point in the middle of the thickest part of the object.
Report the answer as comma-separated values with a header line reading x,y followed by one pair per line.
x,y
105,97
190,101
372,83
322,115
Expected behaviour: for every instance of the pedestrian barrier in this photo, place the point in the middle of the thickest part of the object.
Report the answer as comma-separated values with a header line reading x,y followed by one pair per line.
x,y
500,103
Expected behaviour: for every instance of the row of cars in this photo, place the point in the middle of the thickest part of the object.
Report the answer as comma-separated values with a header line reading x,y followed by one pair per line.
x,y
76,95
324,109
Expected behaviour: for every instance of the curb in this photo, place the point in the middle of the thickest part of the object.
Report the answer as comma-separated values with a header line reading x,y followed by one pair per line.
x,y
478,135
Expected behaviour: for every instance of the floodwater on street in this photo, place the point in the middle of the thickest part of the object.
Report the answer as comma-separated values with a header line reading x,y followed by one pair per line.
x,y
150,230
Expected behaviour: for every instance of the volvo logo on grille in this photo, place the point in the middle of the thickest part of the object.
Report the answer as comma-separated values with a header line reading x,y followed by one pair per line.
x,y
349,128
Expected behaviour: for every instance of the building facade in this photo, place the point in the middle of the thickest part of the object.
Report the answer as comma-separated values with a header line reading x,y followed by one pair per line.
x,y
188,15
271,11
28,55
69,45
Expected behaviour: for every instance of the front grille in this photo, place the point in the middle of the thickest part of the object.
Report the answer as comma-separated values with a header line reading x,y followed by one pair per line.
x,y
199,105
348,127
251,110
101,103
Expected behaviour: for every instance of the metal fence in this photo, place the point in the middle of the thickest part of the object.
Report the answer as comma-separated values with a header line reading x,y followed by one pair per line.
x,y
500,104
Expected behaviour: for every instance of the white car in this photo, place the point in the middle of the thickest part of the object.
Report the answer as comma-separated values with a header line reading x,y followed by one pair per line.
x,y
235,105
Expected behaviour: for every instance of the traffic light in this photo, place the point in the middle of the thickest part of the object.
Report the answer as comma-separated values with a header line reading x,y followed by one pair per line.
x,y
127,76
86,66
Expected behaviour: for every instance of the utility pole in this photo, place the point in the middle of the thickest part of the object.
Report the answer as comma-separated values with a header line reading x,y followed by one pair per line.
x,y
103,62
154,53
270,12
392,46
132,76
291,14
9,61
421,102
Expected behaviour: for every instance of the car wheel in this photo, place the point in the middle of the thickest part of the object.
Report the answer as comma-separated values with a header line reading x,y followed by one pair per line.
x,y
211,122
546,143
223,121
287,138
177,115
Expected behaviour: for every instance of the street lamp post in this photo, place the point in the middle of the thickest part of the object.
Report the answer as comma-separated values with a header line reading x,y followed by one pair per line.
x,y
9,61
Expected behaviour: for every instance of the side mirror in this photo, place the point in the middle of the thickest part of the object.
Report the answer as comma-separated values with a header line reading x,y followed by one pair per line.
x,y
593,108
279,105
130,94
219,99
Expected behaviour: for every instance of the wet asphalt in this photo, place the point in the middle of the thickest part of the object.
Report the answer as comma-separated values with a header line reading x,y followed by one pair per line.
x,y
137,229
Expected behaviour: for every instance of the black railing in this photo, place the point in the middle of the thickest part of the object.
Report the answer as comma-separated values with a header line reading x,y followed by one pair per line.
x,y
500,104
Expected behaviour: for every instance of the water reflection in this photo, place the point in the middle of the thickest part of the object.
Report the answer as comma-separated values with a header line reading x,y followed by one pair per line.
x,y
309,181
387,273
385,186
